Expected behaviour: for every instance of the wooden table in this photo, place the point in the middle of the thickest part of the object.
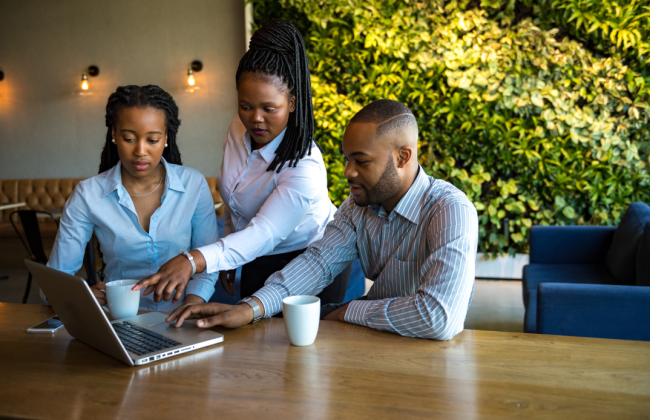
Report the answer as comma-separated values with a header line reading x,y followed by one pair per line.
x,y
349,372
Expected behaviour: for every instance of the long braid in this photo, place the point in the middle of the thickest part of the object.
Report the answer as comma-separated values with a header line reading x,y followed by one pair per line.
x,y
149,96
277,49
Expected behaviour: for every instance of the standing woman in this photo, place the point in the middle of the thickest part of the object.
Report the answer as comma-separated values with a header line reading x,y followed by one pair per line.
x,y
272,178
144,207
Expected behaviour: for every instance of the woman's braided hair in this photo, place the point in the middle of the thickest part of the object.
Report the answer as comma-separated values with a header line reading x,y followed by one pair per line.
x,y
149,96
277,49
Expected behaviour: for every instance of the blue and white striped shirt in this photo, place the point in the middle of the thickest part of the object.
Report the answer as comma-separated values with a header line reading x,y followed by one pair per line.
x,y
421,257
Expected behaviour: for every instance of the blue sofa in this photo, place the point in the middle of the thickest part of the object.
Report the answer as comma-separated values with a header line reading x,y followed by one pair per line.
x,y
587,280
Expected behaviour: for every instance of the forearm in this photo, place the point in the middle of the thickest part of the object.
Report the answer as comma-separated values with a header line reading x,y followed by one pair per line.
x,y
199,260
315,269
239,248
307,274
410,316
191,299
202,285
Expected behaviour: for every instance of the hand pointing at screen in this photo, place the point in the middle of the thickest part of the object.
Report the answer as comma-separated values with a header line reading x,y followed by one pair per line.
x,y
172,277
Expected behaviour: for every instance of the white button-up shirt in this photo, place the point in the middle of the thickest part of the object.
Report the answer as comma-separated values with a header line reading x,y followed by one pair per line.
x,y
268,212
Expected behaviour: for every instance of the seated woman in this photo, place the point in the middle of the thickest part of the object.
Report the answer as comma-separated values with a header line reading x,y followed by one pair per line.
x,y
272,178
143,206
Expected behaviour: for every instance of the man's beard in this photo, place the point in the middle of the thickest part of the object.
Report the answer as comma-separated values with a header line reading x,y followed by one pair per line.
x,y
385,188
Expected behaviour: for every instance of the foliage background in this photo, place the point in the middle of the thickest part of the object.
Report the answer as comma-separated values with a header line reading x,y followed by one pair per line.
x,y
536,109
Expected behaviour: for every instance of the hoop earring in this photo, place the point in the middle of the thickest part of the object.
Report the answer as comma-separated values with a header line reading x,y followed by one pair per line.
x,y
113,141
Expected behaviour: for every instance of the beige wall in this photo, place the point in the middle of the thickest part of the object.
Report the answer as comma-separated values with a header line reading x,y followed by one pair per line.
x,y
47,132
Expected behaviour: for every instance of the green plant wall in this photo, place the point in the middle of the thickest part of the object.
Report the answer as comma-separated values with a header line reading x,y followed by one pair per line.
x,y
533,127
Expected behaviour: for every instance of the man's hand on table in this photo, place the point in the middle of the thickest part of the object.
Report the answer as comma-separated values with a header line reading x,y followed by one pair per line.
x,y
215,314
173,275
337,315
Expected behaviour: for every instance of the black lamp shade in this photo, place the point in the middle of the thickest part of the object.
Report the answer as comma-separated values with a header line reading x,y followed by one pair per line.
x,y
196,66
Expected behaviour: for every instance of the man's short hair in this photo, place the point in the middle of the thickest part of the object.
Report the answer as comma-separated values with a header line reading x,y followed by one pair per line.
x,y
389,115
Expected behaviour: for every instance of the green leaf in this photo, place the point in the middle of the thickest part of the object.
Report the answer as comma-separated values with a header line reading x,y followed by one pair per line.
x,y
569,212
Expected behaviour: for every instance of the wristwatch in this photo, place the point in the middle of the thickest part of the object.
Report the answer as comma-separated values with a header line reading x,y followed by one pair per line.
x,y
191,258
257,310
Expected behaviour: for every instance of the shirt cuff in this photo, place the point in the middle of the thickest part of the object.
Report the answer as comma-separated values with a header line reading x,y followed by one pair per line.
x,y
357,310
271,297
203,287
211,254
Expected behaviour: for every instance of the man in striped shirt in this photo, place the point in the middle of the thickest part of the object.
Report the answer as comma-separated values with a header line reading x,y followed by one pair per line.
x,y
416,237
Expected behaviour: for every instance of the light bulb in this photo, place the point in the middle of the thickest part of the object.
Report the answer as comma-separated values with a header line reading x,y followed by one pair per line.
x,y
84,82
190,77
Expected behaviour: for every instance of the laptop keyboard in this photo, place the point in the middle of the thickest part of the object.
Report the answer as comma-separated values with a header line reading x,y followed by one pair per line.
x,y
141,340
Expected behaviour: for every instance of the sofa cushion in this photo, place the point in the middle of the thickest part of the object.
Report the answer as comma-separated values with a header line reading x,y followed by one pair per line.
x,y
594,310
621,257
643,258
534,274
566,273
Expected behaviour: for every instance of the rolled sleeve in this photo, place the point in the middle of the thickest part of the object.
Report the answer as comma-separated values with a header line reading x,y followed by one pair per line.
x,y
201,287
356,312
271,297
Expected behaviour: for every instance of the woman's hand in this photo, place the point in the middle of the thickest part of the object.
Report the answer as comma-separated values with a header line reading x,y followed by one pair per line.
x,y
227,279
172,276
99,293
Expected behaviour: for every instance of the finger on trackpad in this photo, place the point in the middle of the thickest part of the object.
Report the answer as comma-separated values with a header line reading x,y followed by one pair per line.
x,y
187,322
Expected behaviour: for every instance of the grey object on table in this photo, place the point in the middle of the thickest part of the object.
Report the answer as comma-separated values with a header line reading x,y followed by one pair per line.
x,y
11,206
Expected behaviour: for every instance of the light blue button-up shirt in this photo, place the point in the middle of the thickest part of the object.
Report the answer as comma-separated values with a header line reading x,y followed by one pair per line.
x,y
184,221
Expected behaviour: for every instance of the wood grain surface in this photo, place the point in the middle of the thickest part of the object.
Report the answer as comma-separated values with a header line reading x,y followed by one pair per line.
x,y
349,372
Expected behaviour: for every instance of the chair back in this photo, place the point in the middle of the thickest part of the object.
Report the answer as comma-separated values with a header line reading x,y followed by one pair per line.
x,y
31,239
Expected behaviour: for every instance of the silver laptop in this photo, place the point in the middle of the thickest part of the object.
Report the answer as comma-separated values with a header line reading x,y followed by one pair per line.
x,y
137,340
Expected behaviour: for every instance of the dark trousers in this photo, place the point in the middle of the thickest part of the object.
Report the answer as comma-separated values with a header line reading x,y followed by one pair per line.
x,y
255,273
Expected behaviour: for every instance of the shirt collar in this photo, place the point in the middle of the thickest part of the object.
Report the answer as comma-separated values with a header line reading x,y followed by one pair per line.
x,y
267,152
114,179
172,181
410,205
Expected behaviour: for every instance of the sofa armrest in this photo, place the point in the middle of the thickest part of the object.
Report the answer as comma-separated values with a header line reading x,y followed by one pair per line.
x,y
570,244
594,310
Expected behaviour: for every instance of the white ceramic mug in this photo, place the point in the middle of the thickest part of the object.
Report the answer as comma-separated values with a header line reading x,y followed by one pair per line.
x,y
302,317
122,302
